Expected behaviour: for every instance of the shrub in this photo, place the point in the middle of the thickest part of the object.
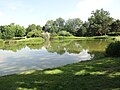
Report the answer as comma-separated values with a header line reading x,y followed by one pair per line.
x,y
113,49
53,34
64,33
30,34
34,33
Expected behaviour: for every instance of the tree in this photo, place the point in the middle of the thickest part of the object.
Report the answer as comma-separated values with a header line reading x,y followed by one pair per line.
x,y
0,35
8,32
83,29
115,26
34,30
39,28
20,31
30,28
100,22
73,25
51,26
60,23
34,33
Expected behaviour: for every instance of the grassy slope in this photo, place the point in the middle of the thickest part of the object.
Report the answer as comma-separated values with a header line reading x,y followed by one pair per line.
x,y
87,38
99,74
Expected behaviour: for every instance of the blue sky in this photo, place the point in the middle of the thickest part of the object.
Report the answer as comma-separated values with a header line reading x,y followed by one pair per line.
x,y
25,12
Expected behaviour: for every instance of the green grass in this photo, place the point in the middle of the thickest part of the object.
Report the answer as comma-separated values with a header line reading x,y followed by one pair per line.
x,y
31,39
38,40
87,38
98,74
117,38
68,37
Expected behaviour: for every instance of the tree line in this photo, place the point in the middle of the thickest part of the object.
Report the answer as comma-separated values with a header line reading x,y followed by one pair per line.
x,y
99,23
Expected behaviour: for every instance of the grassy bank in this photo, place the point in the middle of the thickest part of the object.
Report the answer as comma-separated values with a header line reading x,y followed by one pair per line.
x,y
99,74
31,39
88,38
66,37
37,40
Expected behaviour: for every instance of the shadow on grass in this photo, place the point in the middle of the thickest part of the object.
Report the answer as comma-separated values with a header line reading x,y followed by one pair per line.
x,y
101,74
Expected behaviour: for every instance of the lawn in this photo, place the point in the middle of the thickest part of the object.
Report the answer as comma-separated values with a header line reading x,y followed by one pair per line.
x,y
88,38
99,74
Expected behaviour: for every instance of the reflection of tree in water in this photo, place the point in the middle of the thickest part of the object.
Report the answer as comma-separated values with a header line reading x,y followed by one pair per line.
x,y
15,46
61,47
58,46
12,45
76,46
35,45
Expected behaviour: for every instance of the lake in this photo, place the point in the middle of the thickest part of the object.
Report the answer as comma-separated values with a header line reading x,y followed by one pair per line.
x,y
16,57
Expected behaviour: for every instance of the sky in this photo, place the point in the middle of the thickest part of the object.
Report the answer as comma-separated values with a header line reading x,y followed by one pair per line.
x,y
25,12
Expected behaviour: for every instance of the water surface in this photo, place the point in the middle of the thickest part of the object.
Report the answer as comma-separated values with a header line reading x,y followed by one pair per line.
x,y
17,57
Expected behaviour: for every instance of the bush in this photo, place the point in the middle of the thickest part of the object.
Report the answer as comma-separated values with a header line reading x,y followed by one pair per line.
x,y
64,33
113,49
34,34
53,34
30,34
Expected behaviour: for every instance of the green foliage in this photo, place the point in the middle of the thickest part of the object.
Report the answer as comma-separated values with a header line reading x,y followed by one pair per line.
x,y
39,28
20,31
64,33
53,35
60,24
115,26
100,22
82,31
30,34
0,35
34,33
73,25
30,28
8,32
113,49
12,30
33,28
50,26
54,26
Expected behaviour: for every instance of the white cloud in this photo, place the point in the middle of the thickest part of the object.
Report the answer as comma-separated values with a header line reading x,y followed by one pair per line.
x,y
85,7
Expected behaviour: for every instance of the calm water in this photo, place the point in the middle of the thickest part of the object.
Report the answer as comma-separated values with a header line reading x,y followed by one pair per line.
x,y
17,57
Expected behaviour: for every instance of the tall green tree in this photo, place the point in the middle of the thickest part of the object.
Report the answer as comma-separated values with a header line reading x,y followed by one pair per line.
x,y
51,26
100,22
39,28
33,30
73,25
60,24
30,28
83,29
20,31
8,32
115,26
